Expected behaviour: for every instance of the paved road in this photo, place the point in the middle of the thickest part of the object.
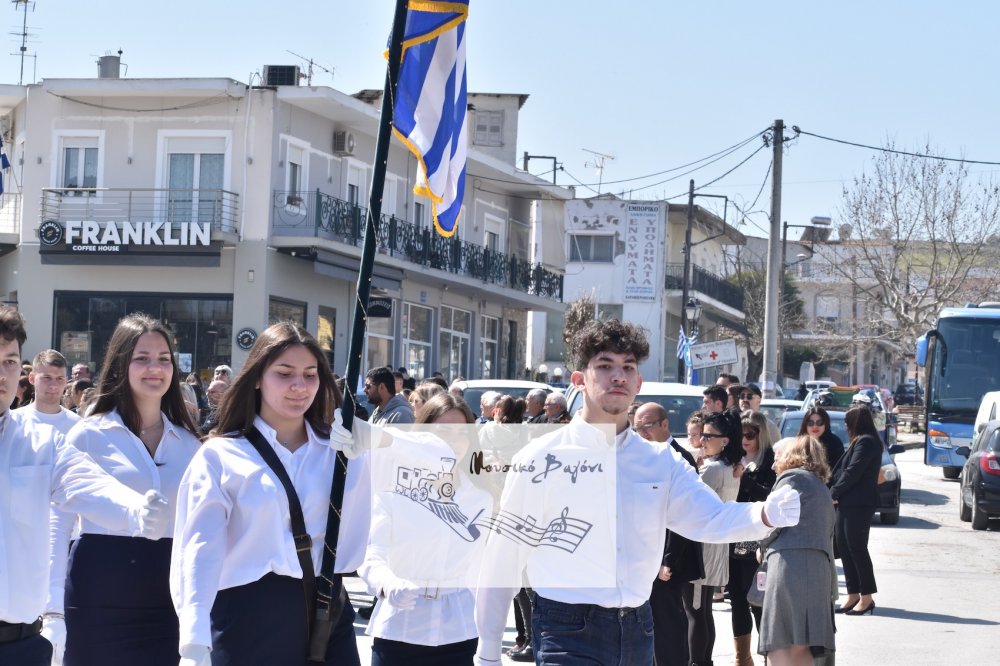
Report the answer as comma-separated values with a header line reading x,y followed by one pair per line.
x,y
939,586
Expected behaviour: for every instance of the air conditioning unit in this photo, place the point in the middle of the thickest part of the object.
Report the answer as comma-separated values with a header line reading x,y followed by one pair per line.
x,y
343,143
281,75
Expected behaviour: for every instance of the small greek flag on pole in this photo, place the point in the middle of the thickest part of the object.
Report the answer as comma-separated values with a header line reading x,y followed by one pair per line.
x,y
429,112
4,163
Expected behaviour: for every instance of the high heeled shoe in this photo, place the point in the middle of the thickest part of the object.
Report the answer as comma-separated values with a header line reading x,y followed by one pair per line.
x,y
867,611
844,609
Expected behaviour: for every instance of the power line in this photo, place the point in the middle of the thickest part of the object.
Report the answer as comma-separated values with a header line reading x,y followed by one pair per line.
x,y
881,149
715,180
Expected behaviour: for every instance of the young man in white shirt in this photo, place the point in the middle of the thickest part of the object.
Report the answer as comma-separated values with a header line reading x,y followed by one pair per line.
x,y
48,376
35,468
655,491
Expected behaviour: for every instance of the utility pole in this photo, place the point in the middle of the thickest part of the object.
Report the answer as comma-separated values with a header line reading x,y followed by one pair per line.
x,y
685,279
770,375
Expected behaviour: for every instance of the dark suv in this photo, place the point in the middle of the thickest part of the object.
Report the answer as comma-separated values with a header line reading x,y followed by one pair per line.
x,y
979,491
908,394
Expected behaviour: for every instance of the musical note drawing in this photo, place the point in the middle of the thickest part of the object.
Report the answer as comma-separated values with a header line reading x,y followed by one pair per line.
x,y
565,532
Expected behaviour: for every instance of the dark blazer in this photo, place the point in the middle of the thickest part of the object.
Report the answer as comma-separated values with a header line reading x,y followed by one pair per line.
x,y
683,556
755,486
854,481
834,447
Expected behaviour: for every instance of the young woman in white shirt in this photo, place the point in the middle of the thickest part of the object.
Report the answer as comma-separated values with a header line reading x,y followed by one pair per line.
x,y
418,622
235,575
117,596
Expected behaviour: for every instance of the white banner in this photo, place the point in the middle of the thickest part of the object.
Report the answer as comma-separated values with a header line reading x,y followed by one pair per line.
x,y
643,241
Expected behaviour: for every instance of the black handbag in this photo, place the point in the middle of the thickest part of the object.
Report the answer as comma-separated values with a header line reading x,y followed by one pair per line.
x,y
744,550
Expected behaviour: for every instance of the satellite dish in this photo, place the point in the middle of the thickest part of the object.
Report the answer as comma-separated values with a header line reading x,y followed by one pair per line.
x,y
845,231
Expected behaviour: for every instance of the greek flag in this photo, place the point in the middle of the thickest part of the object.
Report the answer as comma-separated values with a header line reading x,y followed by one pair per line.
x,y
4,163
430,106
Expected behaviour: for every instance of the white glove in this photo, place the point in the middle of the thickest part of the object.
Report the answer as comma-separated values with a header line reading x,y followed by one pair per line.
x,y
196,655
352,442
400,593
154,516
54,631
782,507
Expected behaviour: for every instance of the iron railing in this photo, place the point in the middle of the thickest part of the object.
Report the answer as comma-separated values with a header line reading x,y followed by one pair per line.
x,y
707,283
220,208
10,213
322,216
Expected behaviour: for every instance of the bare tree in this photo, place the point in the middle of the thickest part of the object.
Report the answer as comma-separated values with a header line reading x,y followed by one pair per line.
x,y
578,314
753,282
918,234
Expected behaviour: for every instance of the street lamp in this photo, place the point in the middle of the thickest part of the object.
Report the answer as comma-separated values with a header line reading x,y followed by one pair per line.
x,y
543,371
692,314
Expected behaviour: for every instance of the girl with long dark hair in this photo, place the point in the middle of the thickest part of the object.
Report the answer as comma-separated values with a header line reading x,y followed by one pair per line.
x,y
236,577
854,487
117,594
816,424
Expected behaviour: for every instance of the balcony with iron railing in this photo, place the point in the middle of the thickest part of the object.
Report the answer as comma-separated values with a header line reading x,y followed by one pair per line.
x,y
707,283
219,208
322,216
10,213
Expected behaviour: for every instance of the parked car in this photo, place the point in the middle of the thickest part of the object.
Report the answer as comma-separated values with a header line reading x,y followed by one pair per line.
x,y
840,398
908,394
473,389
680,401
890,481
979,482
989,409
773,408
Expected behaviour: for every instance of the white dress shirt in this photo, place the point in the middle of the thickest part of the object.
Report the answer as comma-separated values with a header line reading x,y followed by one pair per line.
x,y
233,525
408,540
62,420
36,467
655,490
118,451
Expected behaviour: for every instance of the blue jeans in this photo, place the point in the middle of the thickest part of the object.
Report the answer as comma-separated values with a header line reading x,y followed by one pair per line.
x,y
576,634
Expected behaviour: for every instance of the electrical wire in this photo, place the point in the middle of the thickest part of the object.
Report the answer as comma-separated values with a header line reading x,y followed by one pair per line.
x,y
717,179
881,149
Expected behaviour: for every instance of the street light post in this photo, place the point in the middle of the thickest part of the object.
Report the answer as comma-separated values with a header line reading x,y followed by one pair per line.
x,y
692,315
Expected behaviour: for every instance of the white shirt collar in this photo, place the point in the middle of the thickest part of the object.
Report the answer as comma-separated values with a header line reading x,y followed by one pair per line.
x,y
113,419
272,435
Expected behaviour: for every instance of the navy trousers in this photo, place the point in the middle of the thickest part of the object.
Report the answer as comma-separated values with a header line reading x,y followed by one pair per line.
x,y
264,624
396,653
33,651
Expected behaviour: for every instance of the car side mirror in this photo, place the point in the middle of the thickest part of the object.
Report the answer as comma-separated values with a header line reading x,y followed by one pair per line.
x,y
981,427
963,451
896,448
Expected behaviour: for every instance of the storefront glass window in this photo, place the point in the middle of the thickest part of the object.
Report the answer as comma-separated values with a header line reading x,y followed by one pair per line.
x,y
417,340
201,324
456,327
489,346
280,309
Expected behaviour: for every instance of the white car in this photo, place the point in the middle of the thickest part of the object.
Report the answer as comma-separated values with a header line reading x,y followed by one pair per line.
x,y
773,408
473,389
680,401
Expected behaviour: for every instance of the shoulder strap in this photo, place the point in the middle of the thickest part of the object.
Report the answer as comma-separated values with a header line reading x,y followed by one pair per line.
x,y
303,542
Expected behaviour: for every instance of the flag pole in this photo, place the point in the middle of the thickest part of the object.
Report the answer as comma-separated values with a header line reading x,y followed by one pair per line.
x,y
329,592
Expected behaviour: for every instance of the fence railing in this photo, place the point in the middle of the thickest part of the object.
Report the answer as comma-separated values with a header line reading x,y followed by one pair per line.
x,y
10,213
320,215
707,283
220,208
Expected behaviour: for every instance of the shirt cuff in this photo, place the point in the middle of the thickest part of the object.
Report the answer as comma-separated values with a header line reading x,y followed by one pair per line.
x,y
489,651
195,626
757,518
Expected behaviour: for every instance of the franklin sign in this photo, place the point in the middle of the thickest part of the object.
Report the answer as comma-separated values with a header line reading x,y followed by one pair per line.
x,y
91,236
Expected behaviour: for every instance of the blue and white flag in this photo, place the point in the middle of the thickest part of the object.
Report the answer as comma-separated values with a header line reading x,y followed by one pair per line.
x,y
429,112
4,163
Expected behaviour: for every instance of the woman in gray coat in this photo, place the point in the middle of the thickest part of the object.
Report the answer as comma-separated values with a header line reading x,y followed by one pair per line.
x,y
797,614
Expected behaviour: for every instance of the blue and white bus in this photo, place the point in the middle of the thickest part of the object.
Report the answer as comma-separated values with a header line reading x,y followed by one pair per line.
x,y
961,361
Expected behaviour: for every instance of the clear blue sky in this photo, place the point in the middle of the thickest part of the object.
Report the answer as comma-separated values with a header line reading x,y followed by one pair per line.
x,y
655,83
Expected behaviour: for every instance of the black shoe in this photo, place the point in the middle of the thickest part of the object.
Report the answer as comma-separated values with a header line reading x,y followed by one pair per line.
x,y
366,612
527,653
843,609
868,611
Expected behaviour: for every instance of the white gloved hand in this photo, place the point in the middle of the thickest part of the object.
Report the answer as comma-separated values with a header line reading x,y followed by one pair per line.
x,y
196,655
54,631
352,442
400,593
154,516
782,507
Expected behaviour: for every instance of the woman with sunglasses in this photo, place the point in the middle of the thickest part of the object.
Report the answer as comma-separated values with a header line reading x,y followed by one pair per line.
x,y
854,486
722,450
756,480
816,424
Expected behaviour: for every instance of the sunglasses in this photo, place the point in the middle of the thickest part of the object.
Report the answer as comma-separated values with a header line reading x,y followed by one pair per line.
x,y
747,396
708,435
750,434
814,422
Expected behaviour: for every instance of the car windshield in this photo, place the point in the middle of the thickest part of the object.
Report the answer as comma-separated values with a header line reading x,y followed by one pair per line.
x,y
679,408
793,421
774,412
472,395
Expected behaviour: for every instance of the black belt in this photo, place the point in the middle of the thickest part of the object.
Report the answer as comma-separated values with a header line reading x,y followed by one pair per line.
x,y
15,632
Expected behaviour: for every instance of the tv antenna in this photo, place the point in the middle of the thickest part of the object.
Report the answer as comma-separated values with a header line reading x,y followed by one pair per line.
x,y
24,34
311,64
597,163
